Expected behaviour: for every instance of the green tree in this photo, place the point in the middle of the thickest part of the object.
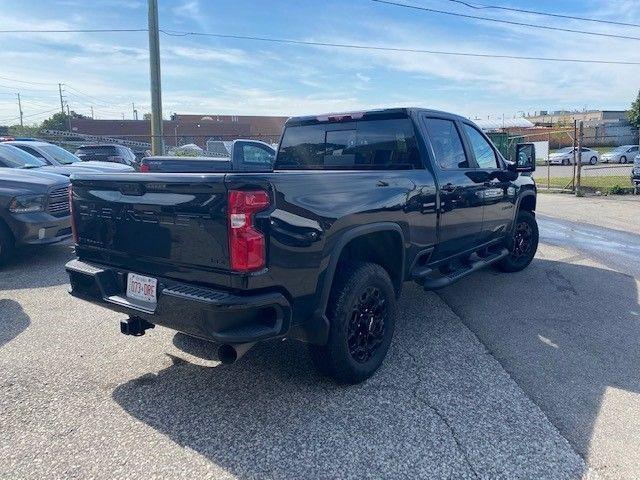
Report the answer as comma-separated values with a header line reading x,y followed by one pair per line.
x,y
58,121
634,112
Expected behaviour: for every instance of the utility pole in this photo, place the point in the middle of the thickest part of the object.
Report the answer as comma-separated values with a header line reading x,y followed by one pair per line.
x,y
20,109
575,151
61,102
91,113
580,134
157,143
135,112
68,116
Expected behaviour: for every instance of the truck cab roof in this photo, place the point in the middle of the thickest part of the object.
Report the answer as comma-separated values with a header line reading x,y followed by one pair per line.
x,y
379,114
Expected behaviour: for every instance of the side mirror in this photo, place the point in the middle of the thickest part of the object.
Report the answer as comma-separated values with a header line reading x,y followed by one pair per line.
x,y
525,157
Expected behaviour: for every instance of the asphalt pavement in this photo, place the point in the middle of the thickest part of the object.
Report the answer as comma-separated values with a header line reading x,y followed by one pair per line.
x,y
600,169
80,400
567,329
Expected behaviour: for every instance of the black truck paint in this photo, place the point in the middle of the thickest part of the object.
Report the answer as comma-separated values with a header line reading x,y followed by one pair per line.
x,y
34,209
368,199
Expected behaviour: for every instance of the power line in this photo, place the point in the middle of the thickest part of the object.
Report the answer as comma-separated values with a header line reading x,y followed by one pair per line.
x,y
175,33
30,115
507,22
82,30
546,14
23,81
95,99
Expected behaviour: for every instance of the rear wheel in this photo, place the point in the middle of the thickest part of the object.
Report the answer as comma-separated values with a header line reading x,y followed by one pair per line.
x,y
593,160
623,159
361,313
565,161
7,243
522,245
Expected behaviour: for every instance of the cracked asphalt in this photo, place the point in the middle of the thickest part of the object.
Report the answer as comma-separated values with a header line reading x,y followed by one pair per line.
x,y
79,400
497,391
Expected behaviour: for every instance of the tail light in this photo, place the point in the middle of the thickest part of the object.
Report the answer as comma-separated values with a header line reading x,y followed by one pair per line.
x,y
74,231
144,168
246,244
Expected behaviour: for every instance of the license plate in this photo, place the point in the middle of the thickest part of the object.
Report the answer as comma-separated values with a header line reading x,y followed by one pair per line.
x,y
142,288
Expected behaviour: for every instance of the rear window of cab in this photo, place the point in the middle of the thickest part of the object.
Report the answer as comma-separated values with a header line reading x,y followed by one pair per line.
x,y
365,144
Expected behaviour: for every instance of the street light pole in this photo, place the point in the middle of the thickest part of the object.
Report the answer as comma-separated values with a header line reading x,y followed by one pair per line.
x,y
157,143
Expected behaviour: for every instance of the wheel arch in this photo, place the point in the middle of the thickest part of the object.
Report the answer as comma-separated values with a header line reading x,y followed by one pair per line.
x,y
317,327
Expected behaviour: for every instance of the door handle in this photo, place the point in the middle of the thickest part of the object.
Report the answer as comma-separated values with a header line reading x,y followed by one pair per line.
x,y
448,187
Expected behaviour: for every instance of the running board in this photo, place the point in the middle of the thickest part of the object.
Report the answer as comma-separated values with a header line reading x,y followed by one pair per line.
x,y
434,283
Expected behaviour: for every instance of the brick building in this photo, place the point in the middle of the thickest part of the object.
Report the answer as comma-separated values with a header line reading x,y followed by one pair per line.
x,y
182,129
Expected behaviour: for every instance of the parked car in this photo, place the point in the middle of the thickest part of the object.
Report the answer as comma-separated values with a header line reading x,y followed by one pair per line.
x,y
34,209
58,156
622,154
244,155
564,156
316,250
13,157
107,153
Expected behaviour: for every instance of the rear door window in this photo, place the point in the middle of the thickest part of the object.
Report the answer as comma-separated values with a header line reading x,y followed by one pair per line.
x,y
446,143
366,144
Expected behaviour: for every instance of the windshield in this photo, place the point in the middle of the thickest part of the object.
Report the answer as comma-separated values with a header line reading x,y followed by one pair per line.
x,y
60,154
621,149
16,158
565,150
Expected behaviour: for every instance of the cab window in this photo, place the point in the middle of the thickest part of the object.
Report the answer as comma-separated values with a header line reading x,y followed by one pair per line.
x,y
257,155
482,149
447,144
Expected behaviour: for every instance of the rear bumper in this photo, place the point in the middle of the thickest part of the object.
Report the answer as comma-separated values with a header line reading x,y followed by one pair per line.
x,y
207,313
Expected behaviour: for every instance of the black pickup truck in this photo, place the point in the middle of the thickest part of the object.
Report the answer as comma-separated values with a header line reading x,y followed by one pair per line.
x,y
316,250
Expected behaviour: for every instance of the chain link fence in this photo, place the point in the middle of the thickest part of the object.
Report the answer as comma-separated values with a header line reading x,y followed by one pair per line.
x,y
579,160
605,166
175,145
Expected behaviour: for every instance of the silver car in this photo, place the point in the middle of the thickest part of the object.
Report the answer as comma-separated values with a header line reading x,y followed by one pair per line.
x,y
622,154
564,156
57,156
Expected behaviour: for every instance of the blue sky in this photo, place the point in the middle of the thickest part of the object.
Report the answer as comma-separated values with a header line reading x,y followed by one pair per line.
x,y
209,75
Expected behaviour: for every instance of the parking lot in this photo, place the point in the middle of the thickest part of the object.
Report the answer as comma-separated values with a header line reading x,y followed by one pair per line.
x,y
483,380
601,169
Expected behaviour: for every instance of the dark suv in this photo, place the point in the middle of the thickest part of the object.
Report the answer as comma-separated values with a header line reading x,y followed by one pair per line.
x,y
107,153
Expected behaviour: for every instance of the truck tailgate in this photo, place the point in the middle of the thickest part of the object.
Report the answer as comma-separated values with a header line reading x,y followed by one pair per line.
x,y
160,224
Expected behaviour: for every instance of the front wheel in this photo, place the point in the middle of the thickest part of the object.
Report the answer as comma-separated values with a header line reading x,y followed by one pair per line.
x,y
361,313
623,159
593,161
522,245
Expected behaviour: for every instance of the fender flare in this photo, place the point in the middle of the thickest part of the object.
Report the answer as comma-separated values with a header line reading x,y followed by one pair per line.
x,y
524,194
316,329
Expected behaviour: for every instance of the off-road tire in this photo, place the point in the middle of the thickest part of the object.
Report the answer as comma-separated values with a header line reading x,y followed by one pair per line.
x,y
353,282
517,260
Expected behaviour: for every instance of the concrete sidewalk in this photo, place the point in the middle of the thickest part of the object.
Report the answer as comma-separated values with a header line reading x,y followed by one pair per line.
x,y
619,212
